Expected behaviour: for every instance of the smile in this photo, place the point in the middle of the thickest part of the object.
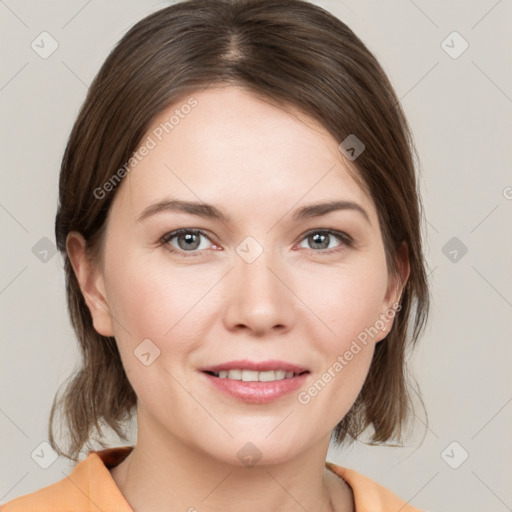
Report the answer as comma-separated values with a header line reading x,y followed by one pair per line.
x,y
250,386
254,376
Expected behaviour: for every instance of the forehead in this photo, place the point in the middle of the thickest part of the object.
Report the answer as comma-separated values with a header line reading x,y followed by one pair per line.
x,y
240,152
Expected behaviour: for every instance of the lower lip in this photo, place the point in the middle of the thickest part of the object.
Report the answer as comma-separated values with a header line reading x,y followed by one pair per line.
x,y
257,392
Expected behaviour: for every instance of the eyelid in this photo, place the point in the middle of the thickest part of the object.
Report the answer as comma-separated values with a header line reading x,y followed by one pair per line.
x,y
344,237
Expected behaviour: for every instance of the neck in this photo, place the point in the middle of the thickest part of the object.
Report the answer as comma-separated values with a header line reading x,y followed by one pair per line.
x,y
163,473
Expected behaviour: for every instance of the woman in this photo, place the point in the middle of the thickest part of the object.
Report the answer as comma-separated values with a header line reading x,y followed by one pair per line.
x,y
240,224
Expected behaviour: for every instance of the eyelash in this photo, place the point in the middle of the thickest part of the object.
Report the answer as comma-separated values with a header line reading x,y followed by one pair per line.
x,y
345,240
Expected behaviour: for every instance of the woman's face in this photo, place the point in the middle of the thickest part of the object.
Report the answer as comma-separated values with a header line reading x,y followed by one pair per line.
x,y
263,283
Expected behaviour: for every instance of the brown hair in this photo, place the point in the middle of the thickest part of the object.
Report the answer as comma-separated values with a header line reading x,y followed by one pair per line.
x,y
295,55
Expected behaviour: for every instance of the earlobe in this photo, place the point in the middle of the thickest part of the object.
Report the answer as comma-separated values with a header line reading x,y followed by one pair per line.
x,y
395,290
403,271
402,274
91,283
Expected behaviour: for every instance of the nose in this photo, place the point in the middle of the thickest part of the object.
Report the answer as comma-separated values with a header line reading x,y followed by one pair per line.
x,y
260,299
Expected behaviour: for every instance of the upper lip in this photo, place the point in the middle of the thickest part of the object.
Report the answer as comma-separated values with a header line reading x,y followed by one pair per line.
x,y
258,366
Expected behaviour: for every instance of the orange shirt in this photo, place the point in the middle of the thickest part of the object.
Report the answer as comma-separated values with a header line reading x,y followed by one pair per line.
x,y
91,488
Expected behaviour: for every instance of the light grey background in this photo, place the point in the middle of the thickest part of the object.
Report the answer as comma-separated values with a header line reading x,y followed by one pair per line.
x,y
460,110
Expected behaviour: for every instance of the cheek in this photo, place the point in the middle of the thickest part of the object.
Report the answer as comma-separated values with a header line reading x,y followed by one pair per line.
x,y
151,297
154,299
346,301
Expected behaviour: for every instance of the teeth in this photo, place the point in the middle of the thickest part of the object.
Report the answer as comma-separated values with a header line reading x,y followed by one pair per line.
x,y
254,376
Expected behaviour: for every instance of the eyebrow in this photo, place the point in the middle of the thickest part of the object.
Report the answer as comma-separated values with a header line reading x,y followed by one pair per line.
x,y
212,212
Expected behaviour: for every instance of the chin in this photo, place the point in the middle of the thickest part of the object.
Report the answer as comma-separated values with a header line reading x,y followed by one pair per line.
x,y
249,451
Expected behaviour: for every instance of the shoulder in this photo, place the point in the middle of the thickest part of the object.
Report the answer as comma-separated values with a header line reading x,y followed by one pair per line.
x,y
65,493
88,487
368,494
51,498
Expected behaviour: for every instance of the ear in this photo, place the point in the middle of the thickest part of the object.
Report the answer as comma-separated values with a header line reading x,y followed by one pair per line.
x,y
92,286
396,286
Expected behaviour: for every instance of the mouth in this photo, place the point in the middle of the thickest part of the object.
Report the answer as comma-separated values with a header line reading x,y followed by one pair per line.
x,y
255,376
256,382
254,371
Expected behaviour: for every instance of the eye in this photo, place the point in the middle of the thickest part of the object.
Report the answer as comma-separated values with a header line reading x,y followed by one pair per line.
x,y
186,240
325,240
194,241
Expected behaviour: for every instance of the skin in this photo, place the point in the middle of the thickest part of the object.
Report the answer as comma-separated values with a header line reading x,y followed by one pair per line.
x,y
295,302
